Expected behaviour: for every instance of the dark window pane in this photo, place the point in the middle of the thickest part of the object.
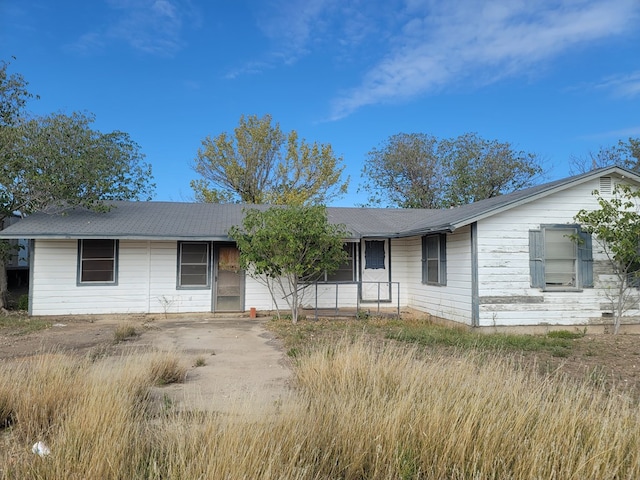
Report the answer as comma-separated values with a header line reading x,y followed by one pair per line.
x,y
374,254
193,279
194,264
432,247
344,273
432,271
432,262
194,253
194,269
97,271
341,276
97,263
98,248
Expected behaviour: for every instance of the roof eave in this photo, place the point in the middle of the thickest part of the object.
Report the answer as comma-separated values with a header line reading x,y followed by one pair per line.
x,y
54,236
545,192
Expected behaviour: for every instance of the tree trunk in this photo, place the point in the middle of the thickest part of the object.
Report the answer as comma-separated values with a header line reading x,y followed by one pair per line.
x,y
294,299
620,307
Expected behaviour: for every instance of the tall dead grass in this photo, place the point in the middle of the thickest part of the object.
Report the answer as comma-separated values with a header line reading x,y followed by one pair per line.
x,y
361,411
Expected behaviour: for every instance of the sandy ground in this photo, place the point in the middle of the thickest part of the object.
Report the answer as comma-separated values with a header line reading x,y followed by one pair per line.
x,y
243,363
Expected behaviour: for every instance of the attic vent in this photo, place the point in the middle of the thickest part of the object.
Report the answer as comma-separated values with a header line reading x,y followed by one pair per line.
x,y
605,185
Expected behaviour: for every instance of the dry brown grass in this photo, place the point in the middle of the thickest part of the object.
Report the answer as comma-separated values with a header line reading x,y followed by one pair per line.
x,y
166,368
362,411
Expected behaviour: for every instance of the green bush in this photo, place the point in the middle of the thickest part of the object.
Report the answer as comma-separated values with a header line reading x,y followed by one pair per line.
x,y
23,302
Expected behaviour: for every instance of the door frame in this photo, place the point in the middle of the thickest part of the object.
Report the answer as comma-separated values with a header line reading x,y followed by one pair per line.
x,y
385,293
214,285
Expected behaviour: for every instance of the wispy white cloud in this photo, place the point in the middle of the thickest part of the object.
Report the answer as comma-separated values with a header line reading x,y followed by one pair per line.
x,y
473,41
294,29
149,26
292,25
623,85
622,133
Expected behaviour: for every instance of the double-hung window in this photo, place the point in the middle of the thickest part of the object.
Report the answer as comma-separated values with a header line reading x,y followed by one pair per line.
x,y
560,257
346,270
434,259
194,264
97,261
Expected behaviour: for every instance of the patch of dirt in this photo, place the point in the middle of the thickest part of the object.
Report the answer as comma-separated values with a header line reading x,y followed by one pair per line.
x,y
245,364
605,360
233,363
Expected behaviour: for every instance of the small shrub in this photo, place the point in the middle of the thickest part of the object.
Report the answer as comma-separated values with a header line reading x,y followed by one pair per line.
x,y
124,332
166,369
23,302
560,351
565,334
200,362
6,409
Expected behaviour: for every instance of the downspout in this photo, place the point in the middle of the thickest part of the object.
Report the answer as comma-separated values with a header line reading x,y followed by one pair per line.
x,y
475,296
148,276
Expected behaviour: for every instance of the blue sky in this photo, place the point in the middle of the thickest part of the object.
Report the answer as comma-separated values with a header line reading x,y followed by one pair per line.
x,y
559,78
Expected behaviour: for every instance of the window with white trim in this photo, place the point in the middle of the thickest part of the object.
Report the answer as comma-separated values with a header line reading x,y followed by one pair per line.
x,y
194,264
97,261
560,257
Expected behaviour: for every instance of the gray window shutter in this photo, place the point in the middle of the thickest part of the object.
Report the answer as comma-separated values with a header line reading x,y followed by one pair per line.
x,y
585,259
424,259
536,256
443,259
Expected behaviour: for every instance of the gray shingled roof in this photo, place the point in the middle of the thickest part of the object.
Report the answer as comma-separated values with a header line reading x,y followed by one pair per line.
x,y
200,221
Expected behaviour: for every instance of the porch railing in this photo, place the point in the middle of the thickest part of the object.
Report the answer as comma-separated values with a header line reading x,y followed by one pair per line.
x,y
342,301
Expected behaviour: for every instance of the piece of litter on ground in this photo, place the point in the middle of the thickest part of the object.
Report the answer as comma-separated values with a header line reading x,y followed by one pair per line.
x,y
39,448
59,325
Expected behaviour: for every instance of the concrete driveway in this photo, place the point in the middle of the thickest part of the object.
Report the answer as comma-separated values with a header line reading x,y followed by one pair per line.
x,y
245,368
244,365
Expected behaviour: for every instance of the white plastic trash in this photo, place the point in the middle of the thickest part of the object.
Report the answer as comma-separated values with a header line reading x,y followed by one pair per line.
x,y
39,448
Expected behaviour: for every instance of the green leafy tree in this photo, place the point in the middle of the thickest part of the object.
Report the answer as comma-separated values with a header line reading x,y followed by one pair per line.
x,y
477,169
259,164
616,227
405,171
287,248
624,153
59,160
420,171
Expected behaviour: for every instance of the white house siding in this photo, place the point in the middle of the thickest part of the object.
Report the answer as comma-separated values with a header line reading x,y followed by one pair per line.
x,y
54,289
163,293
451,301
403,264
257,295
146,282
506,297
